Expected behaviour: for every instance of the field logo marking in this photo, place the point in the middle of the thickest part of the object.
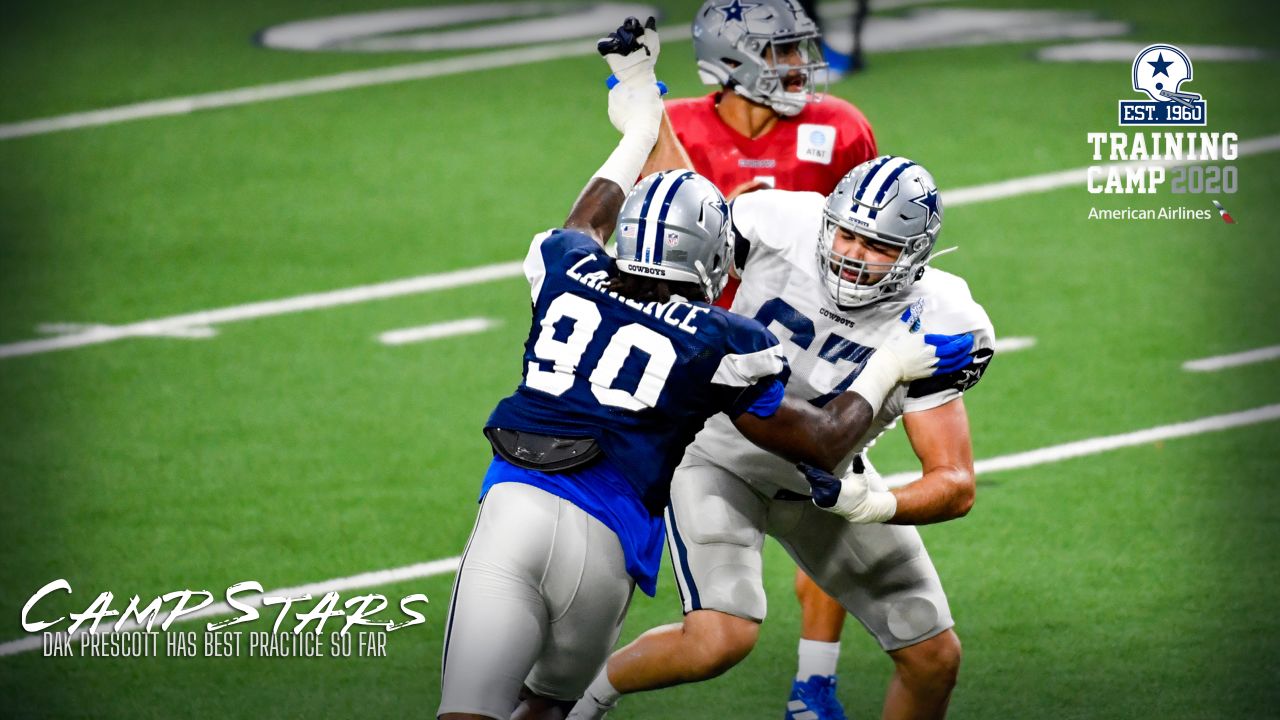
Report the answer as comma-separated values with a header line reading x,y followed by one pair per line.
x,y
921,30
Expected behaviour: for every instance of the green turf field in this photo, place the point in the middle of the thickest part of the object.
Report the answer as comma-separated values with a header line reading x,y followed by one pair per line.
x,y
294,448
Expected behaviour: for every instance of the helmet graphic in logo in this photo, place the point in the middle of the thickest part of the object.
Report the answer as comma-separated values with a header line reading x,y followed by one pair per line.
x,y
1159,71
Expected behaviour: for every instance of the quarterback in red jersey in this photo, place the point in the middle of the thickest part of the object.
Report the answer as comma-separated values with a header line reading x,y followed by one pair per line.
x,y
766,127
811,150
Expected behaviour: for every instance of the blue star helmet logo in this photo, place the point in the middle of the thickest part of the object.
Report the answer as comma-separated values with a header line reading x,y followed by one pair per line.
x,y
1161,65
929,201
734,10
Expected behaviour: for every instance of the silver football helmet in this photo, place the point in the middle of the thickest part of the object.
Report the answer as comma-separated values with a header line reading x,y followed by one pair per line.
x,y
675,226
891,201
759,47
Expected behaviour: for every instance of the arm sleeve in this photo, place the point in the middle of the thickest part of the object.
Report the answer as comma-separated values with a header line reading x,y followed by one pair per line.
x,y
762,399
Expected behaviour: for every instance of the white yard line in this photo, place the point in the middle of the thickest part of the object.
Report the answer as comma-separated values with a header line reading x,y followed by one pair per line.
x,y
295,88
192,324
1014,344
1221,362
99,334
347,81
314,86
436,331
1094,446
1052,454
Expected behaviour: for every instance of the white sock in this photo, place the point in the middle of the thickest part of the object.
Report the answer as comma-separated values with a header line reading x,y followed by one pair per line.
x,y
599,699
817,658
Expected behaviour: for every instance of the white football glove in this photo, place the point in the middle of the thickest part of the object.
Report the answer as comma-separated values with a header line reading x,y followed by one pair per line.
x,y
635,102
851,496
906,355
636,110
632,51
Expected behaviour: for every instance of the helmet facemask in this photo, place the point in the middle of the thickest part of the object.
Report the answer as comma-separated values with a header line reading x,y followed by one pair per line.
x,y
862,287
755,49
783,61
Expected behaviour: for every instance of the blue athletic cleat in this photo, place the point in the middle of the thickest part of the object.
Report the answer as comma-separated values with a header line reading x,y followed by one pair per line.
x,y
815,699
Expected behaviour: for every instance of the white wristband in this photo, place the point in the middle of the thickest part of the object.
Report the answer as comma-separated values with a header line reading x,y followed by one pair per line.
x,y
876,507
878,377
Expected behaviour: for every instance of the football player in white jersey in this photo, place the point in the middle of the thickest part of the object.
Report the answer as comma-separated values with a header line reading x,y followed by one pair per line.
x,y
830,276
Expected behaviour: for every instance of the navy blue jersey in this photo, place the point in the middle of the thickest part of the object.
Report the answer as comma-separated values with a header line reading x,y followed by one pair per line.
x,y
639,378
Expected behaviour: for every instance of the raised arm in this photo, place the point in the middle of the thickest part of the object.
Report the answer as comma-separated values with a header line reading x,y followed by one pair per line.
x,y
668,153
635,109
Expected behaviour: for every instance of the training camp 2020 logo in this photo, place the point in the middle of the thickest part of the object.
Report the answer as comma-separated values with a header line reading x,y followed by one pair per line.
x,y
1159,71
1145,160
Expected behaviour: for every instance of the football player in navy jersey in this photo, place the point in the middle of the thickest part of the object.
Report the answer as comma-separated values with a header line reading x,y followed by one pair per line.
x,y
624,363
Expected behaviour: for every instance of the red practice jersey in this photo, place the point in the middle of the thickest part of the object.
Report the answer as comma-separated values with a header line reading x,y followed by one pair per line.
x,y
810,151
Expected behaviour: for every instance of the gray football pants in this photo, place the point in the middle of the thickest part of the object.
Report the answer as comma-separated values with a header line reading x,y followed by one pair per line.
x,y
880,573
538,601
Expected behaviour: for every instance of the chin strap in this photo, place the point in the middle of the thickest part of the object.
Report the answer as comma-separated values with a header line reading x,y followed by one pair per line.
x,y
940,253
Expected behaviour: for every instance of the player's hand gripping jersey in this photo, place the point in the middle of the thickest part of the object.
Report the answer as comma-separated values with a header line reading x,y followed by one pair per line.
x,y
783,288
809,151
639,378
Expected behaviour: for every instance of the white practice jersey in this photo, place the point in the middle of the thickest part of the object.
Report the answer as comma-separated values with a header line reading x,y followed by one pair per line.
x,y
824,345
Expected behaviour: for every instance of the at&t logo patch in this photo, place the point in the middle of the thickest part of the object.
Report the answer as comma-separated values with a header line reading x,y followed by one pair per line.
x,y
816,143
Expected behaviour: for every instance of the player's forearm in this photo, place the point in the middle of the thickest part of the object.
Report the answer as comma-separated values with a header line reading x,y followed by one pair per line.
x,y
596,209
802,433
833,430
595,212
635,110
849,416
668,153
943,493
